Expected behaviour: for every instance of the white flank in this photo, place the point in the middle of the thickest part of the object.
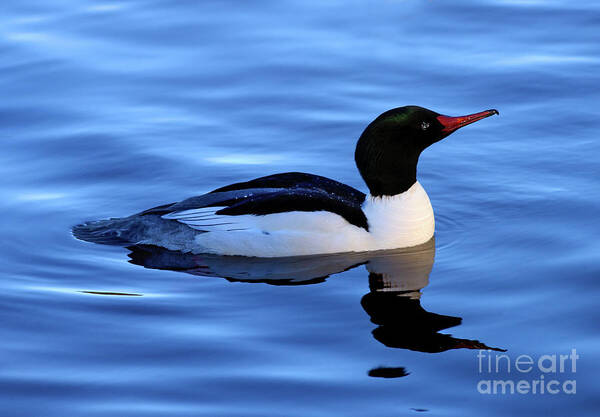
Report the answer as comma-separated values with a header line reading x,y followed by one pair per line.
x,y
394,222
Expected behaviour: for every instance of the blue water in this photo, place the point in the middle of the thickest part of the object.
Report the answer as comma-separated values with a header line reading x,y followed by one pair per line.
x,y
112,108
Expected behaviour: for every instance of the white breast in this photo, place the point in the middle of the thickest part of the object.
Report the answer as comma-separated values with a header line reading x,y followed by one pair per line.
x,y
400,221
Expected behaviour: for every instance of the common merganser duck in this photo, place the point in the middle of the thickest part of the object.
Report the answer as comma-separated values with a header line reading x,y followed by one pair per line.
x,y
292,214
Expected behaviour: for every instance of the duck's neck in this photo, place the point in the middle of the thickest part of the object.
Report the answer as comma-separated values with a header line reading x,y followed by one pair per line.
x,y
398,181
388,166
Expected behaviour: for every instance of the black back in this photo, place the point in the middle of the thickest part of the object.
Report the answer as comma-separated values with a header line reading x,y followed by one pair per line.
x,y
290,191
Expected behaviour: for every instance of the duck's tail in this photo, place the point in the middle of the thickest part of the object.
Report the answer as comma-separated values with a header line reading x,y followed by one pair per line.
x,y
105,232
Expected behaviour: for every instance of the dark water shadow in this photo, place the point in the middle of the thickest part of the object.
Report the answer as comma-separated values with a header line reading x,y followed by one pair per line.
x,y
396,278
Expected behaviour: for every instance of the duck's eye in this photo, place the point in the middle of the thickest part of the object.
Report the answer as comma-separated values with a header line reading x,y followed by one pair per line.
x,y
424,125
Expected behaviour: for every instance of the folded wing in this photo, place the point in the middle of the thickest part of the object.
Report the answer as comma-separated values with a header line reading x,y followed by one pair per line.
x,y
227,208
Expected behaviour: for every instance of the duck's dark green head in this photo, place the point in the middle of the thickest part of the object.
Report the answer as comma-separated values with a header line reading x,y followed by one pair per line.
x,y
388,150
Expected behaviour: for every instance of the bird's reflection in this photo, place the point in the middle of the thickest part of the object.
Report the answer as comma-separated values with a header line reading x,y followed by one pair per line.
x,y
394,304
396,279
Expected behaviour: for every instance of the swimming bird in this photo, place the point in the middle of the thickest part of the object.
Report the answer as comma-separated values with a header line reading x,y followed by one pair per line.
x,y
294,213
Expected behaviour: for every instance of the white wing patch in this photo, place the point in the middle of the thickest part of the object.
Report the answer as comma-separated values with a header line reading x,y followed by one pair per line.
x,y
206,219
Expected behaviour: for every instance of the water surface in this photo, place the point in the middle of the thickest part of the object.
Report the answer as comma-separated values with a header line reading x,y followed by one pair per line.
x,y
111,108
